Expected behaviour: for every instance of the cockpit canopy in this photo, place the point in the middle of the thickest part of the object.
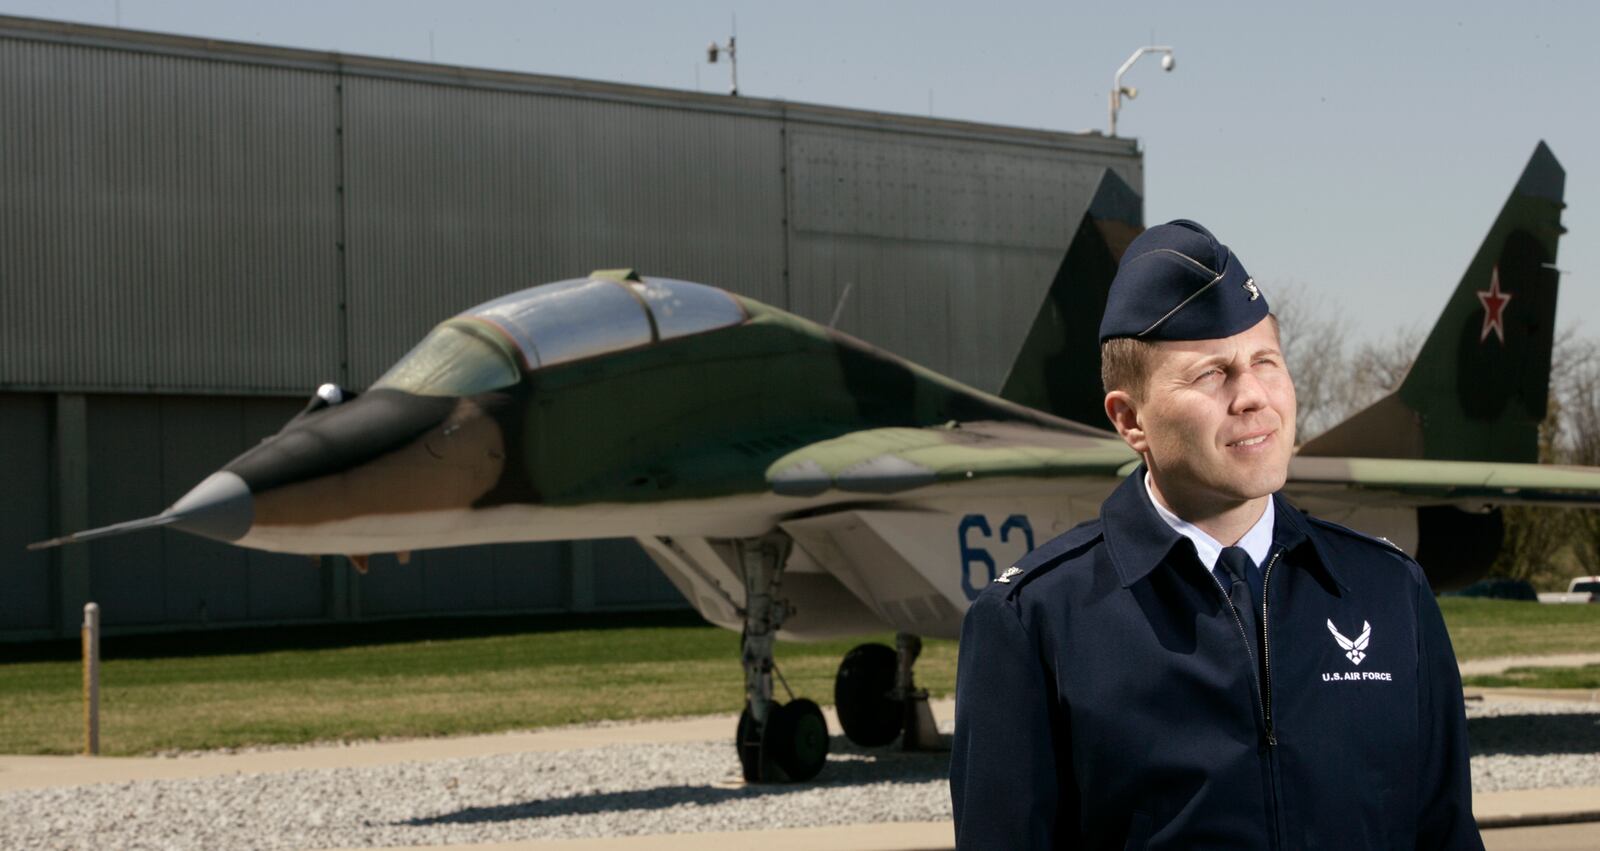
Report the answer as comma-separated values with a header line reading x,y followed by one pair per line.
x,y
489,346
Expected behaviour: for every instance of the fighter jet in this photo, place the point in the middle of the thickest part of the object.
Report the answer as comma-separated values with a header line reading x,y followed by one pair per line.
x,y
794,482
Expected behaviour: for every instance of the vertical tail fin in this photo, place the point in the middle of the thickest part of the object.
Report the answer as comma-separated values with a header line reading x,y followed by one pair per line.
x,y
1480,386
1058,367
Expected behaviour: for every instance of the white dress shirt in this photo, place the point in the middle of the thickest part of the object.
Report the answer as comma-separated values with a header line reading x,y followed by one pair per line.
x,y
1257,542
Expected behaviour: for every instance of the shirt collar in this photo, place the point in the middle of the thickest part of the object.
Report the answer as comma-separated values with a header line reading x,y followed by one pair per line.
x,y
1257,541
1138,539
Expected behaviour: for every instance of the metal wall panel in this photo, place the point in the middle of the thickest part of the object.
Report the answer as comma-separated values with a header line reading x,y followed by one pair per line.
x,y
26,599
947,245
128,573
457,196
954,309
166,222
625,576
497,578
144,453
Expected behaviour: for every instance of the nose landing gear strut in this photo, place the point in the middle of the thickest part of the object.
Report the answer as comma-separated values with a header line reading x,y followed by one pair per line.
x,y
776,741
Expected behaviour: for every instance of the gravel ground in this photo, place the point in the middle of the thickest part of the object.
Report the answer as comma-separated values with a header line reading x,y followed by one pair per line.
x,y
1533,744
623,790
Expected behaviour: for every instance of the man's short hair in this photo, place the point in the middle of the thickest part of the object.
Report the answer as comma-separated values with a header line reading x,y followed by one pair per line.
x,y
1125,362
1125,365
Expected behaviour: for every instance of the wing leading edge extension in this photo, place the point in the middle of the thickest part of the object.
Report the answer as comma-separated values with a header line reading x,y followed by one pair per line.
x,y
897,460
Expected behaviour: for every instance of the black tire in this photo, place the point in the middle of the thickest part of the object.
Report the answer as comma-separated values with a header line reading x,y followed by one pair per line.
x,y
861,694
797,739
754,760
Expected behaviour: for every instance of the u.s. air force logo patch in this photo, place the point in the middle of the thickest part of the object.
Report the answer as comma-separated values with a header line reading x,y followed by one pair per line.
x,y
1355,649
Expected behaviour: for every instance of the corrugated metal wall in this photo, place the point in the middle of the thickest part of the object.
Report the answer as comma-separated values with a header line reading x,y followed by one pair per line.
x,y
26,580
166,221
948,246
457,196
194,235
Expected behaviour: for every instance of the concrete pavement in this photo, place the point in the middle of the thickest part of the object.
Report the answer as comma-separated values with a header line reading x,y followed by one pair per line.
x,y
1496,810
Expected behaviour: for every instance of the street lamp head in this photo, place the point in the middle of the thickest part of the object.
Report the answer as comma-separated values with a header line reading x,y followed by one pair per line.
x,y
1130,92
1168,63
712,51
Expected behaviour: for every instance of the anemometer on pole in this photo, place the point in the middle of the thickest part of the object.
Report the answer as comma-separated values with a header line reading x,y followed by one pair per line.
x,y
715,49
1118,89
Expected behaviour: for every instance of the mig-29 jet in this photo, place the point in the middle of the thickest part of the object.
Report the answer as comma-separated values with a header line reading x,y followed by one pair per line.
x,y
795,482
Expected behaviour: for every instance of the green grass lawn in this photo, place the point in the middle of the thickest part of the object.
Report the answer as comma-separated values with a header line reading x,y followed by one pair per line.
x,y
1482,629
1586,677
399,687
208,690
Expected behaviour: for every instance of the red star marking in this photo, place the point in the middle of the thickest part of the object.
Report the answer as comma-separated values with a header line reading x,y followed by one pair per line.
x,y
1494,305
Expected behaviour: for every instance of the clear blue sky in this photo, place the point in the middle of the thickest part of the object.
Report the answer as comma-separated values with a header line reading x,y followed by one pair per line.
x,y
1357,149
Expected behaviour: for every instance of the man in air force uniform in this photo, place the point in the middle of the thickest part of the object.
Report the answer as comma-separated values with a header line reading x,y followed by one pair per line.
x,y
1206,666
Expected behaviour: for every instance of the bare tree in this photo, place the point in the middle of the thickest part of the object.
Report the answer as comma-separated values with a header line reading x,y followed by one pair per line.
x,y
1575,427
1379,366
1330,381
1312,333
1542,545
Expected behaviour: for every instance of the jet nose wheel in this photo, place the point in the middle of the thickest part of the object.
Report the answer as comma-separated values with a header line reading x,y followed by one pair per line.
x,y
863,695
793,745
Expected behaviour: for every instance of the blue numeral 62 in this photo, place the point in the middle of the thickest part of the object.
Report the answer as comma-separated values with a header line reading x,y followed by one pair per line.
x,y
973,554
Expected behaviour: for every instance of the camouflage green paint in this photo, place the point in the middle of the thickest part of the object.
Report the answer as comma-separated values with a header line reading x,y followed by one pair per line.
x,y
1476,391
893,459
1058,367
1447,481
705,415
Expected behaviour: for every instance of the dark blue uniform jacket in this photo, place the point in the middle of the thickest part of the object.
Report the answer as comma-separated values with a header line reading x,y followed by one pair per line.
x,y
1108,697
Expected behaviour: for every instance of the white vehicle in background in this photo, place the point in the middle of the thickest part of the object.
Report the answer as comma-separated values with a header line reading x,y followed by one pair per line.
x,y
1582,589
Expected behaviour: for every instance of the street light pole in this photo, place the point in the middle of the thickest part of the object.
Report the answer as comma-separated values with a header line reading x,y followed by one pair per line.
x,y
1118,90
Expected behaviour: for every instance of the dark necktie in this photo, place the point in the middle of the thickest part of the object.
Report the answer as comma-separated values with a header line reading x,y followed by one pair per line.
x,y
1244,586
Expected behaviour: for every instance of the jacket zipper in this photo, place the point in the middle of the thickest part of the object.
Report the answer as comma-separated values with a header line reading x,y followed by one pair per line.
x,y
1266,654
1264,680
1248,649
1266,701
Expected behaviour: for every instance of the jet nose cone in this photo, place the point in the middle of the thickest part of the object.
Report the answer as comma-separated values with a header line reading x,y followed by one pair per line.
x,y
220,508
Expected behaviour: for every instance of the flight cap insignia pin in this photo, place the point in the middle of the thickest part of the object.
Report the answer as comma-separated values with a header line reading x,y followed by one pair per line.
x,y
1011,571
1250,286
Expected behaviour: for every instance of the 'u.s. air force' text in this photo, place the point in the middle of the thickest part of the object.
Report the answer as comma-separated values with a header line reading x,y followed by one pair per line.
x,y
1354,676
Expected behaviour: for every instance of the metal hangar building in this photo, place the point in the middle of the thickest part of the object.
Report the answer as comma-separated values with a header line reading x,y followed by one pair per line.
x,y
194,235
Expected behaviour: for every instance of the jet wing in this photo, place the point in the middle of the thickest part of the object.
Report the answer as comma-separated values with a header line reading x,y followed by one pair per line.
x,y
1467,484
892,460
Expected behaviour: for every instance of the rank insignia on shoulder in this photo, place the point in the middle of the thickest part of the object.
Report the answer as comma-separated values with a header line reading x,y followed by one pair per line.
x,y
1011,571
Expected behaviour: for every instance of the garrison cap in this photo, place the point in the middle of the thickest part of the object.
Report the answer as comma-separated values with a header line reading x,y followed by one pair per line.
x,y
1177,282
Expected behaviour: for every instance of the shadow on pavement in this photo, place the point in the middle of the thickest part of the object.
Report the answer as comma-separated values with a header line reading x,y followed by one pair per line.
x,y
848,765
1535,735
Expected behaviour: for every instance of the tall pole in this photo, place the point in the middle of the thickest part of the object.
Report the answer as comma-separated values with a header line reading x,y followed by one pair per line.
x,y
1116,82
91,679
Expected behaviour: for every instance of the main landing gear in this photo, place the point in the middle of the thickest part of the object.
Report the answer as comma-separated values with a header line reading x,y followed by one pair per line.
x,y
877,698
776,741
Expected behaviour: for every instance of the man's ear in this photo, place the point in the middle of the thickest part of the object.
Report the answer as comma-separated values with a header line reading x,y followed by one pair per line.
x,y
1123,411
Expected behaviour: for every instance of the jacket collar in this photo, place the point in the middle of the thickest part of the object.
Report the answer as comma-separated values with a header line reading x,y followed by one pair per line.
x,y
1136,536
1139,540
1294,530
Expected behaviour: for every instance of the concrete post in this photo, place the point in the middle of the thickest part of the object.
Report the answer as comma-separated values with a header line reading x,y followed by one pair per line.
x,y
91,679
